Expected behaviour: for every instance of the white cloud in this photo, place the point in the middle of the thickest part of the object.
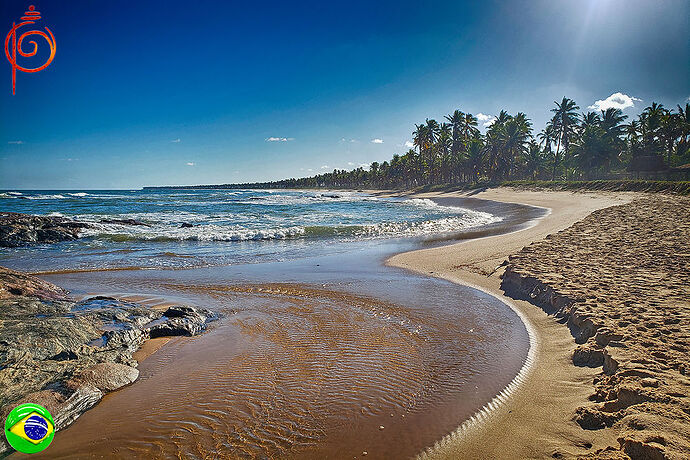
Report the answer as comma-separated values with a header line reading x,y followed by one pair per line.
x,y
409,144
310,169
615,101
365,165
377,141
324,167
485,120
176,141
349,163
279,139
16,142
191,163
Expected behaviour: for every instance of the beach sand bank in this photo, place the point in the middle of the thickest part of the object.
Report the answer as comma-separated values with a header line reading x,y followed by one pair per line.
x,y
541,418
537,420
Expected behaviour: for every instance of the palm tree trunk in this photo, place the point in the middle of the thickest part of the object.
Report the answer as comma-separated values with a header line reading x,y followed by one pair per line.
x,y
555,158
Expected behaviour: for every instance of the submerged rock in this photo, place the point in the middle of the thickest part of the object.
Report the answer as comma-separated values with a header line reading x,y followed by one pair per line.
x,y
22,229
124,222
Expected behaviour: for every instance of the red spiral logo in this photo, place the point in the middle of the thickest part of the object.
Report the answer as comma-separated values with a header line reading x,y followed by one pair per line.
x,y
14,45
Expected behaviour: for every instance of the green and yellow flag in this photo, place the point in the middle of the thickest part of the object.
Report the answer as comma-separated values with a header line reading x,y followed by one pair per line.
x,y
29,428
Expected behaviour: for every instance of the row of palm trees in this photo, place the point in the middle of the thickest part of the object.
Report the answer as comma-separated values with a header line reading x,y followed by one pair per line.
x,y
572,146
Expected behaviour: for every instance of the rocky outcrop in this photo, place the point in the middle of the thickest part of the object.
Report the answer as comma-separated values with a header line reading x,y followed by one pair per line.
x,y
14,283
66,355
22,229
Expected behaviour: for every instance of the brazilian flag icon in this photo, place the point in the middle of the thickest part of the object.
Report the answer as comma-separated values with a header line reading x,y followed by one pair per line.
x,y
29,428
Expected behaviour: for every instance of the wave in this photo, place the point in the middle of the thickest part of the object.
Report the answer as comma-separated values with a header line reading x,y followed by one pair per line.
x,y
78,194
215,232
10,195
199,233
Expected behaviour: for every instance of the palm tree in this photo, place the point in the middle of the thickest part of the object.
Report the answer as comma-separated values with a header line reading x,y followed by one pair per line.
x,y
533,160
590,150
474,159
468,127
590,119
515,136
651,119
564,121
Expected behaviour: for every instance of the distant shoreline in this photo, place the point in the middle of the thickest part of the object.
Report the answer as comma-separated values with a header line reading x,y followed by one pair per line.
x,y
653,186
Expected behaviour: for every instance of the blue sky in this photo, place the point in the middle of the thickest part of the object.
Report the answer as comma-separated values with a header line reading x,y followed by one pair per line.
x,y
162,93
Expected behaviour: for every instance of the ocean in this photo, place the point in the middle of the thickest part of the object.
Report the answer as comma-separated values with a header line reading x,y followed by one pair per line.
x,y
195,228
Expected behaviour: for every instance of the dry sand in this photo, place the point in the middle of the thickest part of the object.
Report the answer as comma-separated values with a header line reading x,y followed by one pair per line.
x,y
540,419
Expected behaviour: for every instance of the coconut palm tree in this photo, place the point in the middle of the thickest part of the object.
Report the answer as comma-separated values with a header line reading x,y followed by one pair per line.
x,y
590,119
534,160
564,121
590,150
474,159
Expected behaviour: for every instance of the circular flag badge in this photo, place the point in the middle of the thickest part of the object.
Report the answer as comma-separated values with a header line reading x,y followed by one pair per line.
x,y
29,428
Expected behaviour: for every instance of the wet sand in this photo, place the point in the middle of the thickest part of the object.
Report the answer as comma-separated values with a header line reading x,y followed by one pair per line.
x,y
536,421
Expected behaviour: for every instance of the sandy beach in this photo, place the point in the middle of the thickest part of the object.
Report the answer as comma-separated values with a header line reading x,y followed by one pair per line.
x,y
540,418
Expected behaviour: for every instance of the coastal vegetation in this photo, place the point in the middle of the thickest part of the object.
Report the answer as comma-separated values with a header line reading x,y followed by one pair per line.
x,y
573,146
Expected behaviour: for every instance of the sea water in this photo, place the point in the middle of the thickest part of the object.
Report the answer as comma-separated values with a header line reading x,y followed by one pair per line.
x,y
192,228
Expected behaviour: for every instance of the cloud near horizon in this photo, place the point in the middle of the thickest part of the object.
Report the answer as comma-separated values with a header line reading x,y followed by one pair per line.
x,y
176,141
377,141
15,142
486,120
279,139
615,101
409,144
191,163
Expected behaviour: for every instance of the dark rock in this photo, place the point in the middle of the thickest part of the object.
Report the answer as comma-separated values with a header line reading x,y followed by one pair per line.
x,y
64,356
182,320
22,229
124,222
186,225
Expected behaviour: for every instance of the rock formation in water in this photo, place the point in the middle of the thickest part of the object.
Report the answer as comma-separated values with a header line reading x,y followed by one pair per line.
x,y
22,229
65,355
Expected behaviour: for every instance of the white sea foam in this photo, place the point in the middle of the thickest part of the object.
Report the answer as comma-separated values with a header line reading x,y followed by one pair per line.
x,y
45,197
78,194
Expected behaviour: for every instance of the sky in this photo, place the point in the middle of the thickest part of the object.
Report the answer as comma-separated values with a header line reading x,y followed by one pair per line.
x,y
171,93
